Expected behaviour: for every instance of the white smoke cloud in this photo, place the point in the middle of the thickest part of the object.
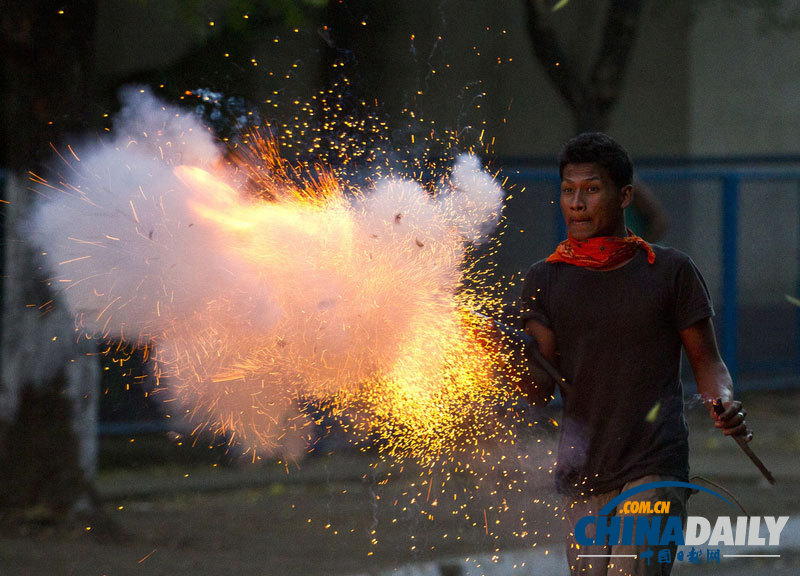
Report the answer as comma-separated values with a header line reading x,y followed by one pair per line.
x,y
474,201
250,302
130,256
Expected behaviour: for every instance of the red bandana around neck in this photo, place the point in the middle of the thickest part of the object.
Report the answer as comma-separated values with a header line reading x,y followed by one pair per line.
x,y
602,252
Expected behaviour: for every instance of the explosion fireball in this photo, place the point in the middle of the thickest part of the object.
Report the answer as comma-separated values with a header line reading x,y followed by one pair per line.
x,y
248,305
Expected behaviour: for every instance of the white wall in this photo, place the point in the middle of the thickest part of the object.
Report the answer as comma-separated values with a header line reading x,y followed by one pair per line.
x,y
745,100
744,83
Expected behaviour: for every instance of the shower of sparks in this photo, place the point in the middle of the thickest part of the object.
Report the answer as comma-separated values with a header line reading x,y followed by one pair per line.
x,y
258,285
322,270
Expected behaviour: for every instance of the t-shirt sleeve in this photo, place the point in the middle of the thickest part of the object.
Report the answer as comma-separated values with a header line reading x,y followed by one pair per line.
x,y
533,305
692,300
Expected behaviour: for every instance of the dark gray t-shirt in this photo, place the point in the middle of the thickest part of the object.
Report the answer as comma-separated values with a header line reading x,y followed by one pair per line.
x,y
618,336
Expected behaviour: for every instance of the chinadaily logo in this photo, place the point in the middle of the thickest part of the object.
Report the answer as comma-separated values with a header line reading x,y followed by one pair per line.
x,y
626,521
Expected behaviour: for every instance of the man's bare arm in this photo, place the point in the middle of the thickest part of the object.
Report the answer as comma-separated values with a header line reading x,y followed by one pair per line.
x,y
713,379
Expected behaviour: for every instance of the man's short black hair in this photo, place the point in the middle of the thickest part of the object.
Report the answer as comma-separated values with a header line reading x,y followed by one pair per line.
x,y
598,148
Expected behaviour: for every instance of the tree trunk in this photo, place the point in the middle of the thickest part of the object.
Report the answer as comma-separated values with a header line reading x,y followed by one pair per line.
x,y
590,100
49,372
591,118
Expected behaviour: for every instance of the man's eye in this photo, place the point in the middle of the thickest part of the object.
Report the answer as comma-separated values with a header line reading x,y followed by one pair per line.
x,y
566,190
593,188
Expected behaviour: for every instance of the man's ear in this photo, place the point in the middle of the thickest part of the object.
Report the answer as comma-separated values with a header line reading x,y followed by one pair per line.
x,y
626,196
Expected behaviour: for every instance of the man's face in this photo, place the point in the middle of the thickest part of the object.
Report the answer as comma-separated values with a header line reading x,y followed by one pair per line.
x,y
591,203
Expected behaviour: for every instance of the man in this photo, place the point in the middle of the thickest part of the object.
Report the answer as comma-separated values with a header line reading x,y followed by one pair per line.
x,y
612,313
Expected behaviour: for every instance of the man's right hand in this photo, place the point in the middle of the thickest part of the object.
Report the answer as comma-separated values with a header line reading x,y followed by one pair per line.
x,y
730,418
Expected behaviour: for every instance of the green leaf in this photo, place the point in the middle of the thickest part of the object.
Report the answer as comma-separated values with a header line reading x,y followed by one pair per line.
x,y
793,300
653,414
560,4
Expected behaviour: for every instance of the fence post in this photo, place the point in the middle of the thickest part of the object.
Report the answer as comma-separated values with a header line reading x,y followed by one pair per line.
x,y
797,310
730,271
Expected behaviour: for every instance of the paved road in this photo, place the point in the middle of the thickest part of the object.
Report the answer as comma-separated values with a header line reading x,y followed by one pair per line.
x,y
340,516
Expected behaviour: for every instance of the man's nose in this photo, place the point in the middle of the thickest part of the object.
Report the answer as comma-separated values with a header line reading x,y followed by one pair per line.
x,y
577,201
